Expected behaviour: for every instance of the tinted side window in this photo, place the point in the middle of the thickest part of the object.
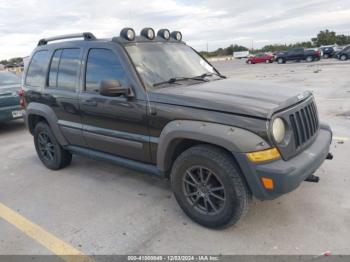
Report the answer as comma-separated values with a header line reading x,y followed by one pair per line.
x,y
54,68
68,69
36,73
102,64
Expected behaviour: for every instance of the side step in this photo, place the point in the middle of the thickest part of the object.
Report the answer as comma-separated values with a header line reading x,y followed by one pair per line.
x,y
124,162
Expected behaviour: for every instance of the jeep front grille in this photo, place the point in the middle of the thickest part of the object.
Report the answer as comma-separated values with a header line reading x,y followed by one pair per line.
x,y
304,124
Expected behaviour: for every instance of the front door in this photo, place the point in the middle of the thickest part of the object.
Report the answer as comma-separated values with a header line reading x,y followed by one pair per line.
x,y
115,125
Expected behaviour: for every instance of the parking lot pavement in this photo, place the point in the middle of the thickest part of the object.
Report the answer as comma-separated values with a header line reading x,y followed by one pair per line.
x,y
100,208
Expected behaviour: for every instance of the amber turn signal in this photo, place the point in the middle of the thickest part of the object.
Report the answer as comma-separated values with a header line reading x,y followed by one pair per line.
x,y
267,182
265,155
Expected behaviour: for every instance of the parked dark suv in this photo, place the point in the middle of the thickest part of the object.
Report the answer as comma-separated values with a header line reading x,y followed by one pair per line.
x,y
344,54
152,103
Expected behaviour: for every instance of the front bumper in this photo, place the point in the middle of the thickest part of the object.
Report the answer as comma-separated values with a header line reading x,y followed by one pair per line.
x,y
286,175
6,113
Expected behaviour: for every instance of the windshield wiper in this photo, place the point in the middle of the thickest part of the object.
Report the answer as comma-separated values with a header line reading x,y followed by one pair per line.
x,y
177,79
199,78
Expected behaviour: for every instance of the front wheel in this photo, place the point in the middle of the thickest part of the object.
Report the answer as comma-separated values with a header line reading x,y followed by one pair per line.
x,y
343,57
209,186
50,152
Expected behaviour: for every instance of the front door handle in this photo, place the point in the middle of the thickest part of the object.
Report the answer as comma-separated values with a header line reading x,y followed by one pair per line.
x,y
90,103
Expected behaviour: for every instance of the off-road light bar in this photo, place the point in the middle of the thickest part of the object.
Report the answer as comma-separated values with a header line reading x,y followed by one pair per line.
x,y
176,35
128,34
148,33
164,33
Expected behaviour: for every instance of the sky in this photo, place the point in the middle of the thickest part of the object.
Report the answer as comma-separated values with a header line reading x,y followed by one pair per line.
x,y
204,23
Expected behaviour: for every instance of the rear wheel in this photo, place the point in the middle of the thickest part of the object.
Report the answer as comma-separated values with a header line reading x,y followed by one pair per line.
x,y
309,59
209,187
51,154
249,62
280,60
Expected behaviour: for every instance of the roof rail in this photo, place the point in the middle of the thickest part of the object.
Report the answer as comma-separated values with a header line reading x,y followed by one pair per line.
x,y
85,35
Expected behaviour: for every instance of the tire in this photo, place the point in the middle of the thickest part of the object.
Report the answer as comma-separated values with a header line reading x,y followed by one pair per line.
x,y
280,60
309,59
51,154
267,61
343,57
249,62
218,170
326,56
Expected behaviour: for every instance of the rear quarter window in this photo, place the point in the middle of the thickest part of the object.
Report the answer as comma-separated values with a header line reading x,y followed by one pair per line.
x,y
36,73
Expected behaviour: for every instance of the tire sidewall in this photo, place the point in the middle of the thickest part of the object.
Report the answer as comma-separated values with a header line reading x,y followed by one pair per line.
x,y
231,205
55,163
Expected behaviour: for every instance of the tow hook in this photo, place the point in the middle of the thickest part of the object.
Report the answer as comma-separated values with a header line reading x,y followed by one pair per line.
x,y
329,156
312,178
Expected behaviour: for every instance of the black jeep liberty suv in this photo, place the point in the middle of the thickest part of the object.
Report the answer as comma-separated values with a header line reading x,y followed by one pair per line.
x,y
152,103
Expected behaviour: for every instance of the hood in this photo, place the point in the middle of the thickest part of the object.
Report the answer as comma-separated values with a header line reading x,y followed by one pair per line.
x,y
250,98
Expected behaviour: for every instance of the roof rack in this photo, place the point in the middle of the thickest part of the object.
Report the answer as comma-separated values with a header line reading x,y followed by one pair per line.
x,y
85,35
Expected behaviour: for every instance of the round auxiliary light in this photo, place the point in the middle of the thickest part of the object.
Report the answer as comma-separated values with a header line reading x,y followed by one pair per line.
x,y
128,33
148,33
164,33
176,35
278,130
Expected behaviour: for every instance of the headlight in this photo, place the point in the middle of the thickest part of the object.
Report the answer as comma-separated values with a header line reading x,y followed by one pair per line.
x,y
278,130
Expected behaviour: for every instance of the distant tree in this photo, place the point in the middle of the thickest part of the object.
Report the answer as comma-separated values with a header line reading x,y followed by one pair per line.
x,y
343,40
325,38
228,51
12,62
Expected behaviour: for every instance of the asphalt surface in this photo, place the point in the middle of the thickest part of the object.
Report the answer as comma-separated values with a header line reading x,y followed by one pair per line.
x,y
100,208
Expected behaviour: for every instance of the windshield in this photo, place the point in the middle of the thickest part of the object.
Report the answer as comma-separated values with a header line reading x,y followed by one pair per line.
x,y
160,62
7,78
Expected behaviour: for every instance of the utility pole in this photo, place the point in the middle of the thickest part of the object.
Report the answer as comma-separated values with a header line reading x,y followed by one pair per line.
x,y
207,47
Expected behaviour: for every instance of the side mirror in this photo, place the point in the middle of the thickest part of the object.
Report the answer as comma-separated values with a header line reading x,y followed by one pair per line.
x,y
113,88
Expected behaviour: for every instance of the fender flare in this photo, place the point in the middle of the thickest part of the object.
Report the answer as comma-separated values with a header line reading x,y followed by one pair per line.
x,y
231,138
50,116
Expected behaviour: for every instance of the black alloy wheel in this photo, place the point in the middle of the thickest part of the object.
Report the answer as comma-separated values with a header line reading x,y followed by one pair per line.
x,y
46,147
204,190
50,152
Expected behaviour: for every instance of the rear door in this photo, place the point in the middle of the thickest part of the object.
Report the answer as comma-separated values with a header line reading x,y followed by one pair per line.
x,y
61,92
114,125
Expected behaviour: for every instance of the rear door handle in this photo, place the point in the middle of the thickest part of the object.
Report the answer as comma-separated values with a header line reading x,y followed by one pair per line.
x,y
90,103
